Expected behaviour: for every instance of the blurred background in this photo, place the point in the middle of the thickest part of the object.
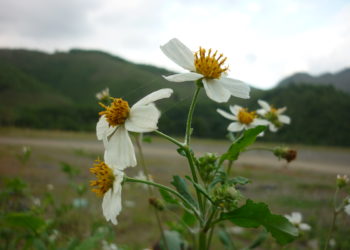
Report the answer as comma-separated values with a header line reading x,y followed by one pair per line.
x,y
56,55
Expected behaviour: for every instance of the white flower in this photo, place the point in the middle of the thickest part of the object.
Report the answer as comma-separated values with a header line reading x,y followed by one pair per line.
x,y
103,94
109,185
273,115
206,66
296,219
118,119
347,207
243,119
108,246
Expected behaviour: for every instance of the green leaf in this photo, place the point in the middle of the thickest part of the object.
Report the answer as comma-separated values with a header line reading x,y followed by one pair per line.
x,y
225,239
189,219
200,189
181,186
168,198
24,220
173,240
241,143
147,139
239,180
258,214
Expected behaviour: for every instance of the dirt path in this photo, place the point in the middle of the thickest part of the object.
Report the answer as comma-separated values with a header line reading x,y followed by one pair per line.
x,y
321,160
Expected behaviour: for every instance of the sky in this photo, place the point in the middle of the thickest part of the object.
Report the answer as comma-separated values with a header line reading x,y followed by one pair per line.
x,y
264,40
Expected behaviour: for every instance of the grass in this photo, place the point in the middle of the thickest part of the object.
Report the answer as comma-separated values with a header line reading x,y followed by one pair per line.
x,y
285,189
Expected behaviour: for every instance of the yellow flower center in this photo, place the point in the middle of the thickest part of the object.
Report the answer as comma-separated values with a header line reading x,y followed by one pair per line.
x,y
273,109
210,66
246,117
117,112
105,178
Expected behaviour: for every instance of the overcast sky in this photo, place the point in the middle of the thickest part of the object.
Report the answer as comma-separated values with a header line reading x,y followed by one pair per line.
x,y
263,40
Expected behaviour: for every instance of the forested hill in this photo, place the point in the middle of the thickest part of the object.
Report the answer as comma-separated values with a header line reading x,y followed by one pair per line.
x,y
340,80
57,91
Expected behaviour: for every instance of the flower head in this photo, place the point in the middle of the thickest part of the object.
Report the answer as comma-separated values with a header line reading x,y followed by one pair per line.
x,y
342,180
273,115
243,119
103,94
296,219
118,119
207,66
285,153
108,185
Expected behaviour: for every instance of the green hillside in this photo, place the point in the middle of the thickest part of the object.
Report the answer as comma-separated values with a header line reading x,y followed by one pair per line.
x,y
57,91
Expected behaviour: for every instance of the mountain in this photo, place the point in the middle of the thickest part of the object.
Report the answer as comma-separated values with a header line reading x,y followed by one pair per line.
x,y
340,80
57,91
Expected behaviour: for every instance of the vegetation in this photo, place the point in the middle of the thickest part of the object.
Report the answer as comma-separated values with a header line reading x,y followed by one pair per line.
x,y
57,91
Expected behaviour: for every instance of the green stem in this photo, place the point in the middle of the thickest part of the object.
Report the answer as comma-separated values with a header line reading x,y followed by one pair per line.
x,y
202,240
190,115
230,162
335,213
129,179
259,148
150,191
169,138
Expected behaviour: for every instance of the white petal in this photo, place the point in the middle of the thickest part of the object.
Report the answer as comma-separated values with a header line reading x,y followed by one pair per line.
x,y
261,112
264,105
226,115
103,129
154,96
235,127
119,150
111,204
304,227
281,110
184,77
179,54
235,87
143,119
272,127
235,109
216,91
296,217
347,209
284,119
258,122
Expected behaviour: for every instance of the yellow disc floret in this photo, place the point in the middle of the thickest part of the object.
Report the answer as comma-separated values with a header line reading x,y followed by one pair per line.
x,y
210,66
105,178
246,117
117,112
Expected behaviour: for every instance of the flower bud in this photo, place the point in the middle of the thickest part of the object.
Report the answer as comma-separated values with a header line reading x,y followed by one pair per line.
x,y
285,153
226,197
206,166
158,204
342,181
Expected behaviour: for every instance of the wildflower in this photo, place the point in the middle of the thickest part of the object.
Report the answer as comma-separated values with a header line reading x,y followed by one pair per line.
x,y
296,219
243,119
342,180
206,66
273,115
108,185
103,95
347,206
285,153
118,119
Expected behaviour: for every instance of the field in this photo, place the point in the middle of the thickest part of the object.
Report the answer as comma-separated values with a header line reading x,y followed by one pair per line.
x,y
306,185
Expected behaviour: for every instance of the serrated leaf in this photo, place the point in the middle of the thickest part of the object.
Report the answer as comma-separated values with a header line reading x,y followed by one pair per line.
x,y
241,143
258,214
181,186
168,198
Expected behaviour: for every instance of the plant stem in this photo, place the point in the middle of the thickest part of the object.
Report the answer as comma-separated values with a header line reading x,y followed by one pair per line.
x,y
335,213
228,172
190,115
150,191
129,179
202,240
169,138
259,148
